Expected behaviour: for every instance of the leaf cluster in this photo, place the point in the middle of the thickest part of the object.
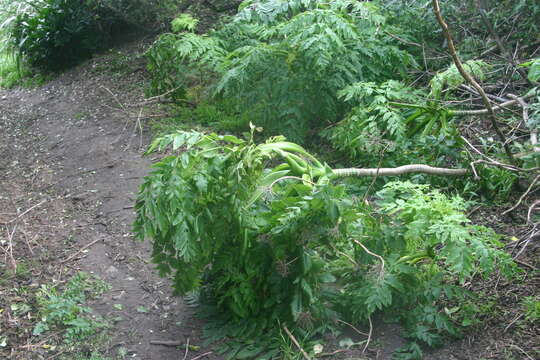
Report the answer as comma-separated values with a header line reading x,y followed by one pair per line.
x,y
290,59
270,235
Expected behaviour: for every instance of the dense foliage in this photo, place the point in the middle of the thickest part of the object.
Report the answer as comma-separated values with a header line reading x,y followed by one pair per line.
x,y
286,61
51,35
288,244
54,34
272,235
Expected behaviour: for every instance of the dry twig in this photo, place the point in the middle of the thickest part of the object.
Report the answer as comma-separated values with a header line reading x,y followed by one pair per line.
x,y
498,107
523,195
80,251
26,212
293,339
369,335
201,356
381,273
353,327
471,80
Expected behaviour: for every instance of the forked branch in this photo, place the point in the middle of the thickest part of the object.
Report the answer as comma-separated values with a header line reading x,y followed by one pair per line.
x,y
471,80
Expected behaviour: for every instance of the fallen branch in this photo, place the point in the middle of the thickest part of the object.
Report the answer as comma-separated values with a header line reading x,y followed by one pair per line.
x,y
490,162
405,169
471,80
523,195
498,107
525,116
80,251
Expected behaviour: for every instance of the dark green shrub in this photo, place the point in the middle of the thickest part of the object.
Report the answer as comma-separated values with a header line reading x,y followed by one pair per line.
x,y
55,34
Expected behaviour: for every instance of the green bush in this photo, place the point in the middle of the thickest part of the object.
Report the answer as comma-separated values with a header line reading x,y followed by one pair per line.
x,y
54,34
287,58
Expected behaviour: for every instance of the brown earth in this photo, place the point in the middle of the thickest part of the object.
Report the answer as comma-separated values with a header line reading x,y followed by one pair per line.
x,y
71,161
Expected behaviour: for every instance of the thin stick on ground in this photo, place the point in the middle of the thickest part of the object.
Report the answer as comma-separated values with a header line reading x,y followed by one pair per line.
x,y
166,343
293,339
471,80
202,355
80,251
353,327
26,211
523,196
9,251
187,349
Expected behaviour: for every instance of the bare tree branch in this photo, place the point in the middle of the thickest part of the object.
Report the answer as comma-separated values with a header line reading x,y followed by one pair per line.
x,y
471,80
405,169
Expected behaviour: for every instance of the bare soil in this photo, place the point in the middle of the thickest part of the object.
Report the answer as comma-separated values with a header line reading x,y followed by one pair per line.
x,y
70,165
69,147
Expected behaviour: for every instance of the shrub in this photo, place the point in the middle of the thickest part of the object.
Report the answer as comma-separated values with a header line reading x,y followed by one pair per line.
x,y
54,34
290,59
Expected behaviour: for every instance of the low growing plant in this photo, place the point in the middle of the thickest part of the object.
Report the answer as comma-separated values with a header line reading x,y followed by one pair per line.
x,y
66,310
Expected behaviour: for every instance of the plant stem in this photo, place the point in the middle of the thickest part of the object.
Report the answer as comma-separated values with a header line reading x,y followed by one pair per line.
x,y
405,169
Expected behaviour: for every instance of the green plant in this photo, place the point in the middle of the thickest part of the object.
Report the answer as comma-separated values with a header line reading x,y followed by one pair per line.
x,y
287,58
65,309
531,305
390,123
184,22
451,79
270,235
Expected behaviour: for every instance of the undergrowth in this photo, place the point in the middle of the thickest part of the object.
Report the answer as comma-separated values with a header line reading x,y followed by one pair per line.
x,y
273,238
65,310
288,245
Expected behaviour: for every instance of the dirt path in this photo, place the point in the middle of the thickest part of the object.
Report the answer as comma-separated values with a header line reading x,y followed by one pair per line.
x,y
93,151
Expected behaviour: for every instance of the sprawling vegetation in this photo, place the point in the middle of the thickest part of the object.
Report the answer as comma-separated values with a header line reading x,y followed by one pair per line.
x,y
289,244
289,225
278,239
52,35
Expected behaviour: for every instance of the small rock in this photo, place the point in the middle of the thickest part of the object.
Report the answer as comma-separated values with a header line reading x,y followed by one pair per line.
x,y
111,270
